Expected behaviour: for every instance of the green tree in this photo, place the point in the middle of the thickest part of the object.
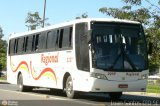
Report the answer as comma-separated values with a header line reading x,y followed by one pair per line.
x,y
1,33
84,15
3,49
147,13
33,20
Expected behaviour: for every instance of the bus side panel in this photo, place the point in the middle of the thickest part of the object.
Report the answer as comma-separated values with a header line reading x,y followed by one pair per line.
x,y
16,65
42,69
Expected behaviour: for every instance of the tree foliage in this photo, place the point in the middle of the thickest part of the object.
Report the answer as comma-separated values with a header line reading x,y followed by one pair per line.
x,y
84,15
147,13
3,49
34,21
133,2
1,33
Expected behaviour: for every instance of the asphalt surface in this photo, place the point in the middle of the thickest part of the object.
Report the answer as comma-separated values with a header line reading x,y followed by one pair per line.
x,y
43,97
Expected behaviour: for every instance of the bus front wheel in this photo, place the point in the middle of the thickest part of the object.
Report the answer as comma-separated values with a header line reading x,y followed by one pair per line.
x,y
69,88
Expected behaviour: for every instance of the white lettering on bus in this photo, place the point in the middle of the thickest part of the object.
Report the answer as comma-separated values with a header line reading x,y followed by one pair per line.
x,y
49,59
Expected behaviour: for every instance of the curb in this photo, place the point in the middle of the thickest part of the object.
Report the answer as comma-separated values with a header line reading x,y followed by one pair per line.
x,y
3,82
143,94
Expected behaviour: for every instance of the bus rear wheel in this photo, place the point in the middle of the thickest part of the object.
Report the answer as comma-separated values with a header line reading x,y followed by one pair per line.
x,y
115,95
69,88
21,87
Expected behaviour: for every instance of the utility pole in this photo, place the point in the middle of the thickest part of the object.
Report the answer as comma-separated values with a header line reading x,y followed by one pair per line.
x,y
44,13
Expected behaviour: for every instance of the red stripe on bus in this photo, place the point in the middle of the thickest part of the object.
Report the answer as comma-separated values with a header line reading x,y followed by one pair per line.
x,y
43,72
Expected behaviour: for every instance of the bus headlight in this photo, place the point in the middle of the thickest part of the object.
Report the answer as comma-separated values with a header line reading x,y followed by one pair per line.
x,y
98,75
144,76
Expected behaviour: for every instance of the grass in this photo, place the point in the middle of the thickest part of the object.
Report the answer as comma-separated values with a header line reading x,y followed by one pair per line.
x,y
3,78
153,88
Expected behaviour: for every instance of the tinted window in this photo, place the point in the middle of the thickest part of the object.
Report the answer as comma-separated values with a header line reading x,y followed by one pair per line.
x,y
61,38
51,39
16,45
57,43
119,47
29,43
67,36
20,45
42,42
26,43
11,46
35,42
70,37
82,51
35,46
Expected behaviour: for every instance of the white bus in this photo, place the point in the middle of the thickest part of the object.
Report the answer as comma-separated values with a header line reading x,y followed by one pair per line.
x,y
84,55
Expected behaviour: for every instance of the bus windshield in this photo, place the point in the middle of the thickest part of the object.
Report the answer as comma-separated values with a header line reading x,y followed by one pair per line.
x,y
119,47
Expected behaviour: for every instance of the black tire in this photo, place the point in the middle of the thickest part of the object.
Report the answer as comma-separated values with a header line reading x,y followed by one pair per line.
x,y
21,87
70,93
115,95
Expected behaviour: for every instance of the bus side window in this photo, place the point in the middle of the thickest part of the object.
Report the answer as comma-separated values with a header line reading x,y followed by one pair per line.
x,y
51,40
28,44
42,42
11,46
36,47
24,42
70,37
61,38
67,36
16,45
35,42
20,45
57,43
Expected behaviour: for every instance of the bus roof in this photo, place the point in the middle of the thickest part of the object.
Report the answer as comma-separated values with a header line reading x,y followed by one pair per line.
x,y
71,23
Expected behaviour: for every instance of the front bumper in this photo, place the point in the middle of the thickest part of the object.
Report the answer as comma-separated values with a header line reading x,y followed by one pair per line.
x,y
100,85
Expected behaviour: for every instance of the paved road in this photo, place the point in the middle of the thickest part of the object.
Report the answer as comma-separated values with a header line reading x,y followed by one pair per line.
x,y
37,98
43,97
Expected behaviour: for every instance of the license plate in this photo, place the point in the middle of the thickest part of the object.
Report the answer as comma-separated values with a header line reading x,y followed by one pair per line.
x,y
123,85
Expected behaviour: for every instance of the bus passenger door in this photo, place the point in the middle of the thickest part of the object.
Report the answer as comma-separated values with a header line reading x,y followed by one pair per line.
x,y
82,55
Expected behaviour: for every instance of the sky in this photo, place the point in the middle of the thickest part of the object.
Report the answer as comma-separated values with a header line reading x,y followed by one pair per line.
x,y
14,12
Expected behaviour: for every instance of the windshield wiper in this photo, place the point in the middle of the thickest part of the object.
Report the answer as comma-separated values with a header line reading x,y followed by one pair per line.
x,y
124,57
